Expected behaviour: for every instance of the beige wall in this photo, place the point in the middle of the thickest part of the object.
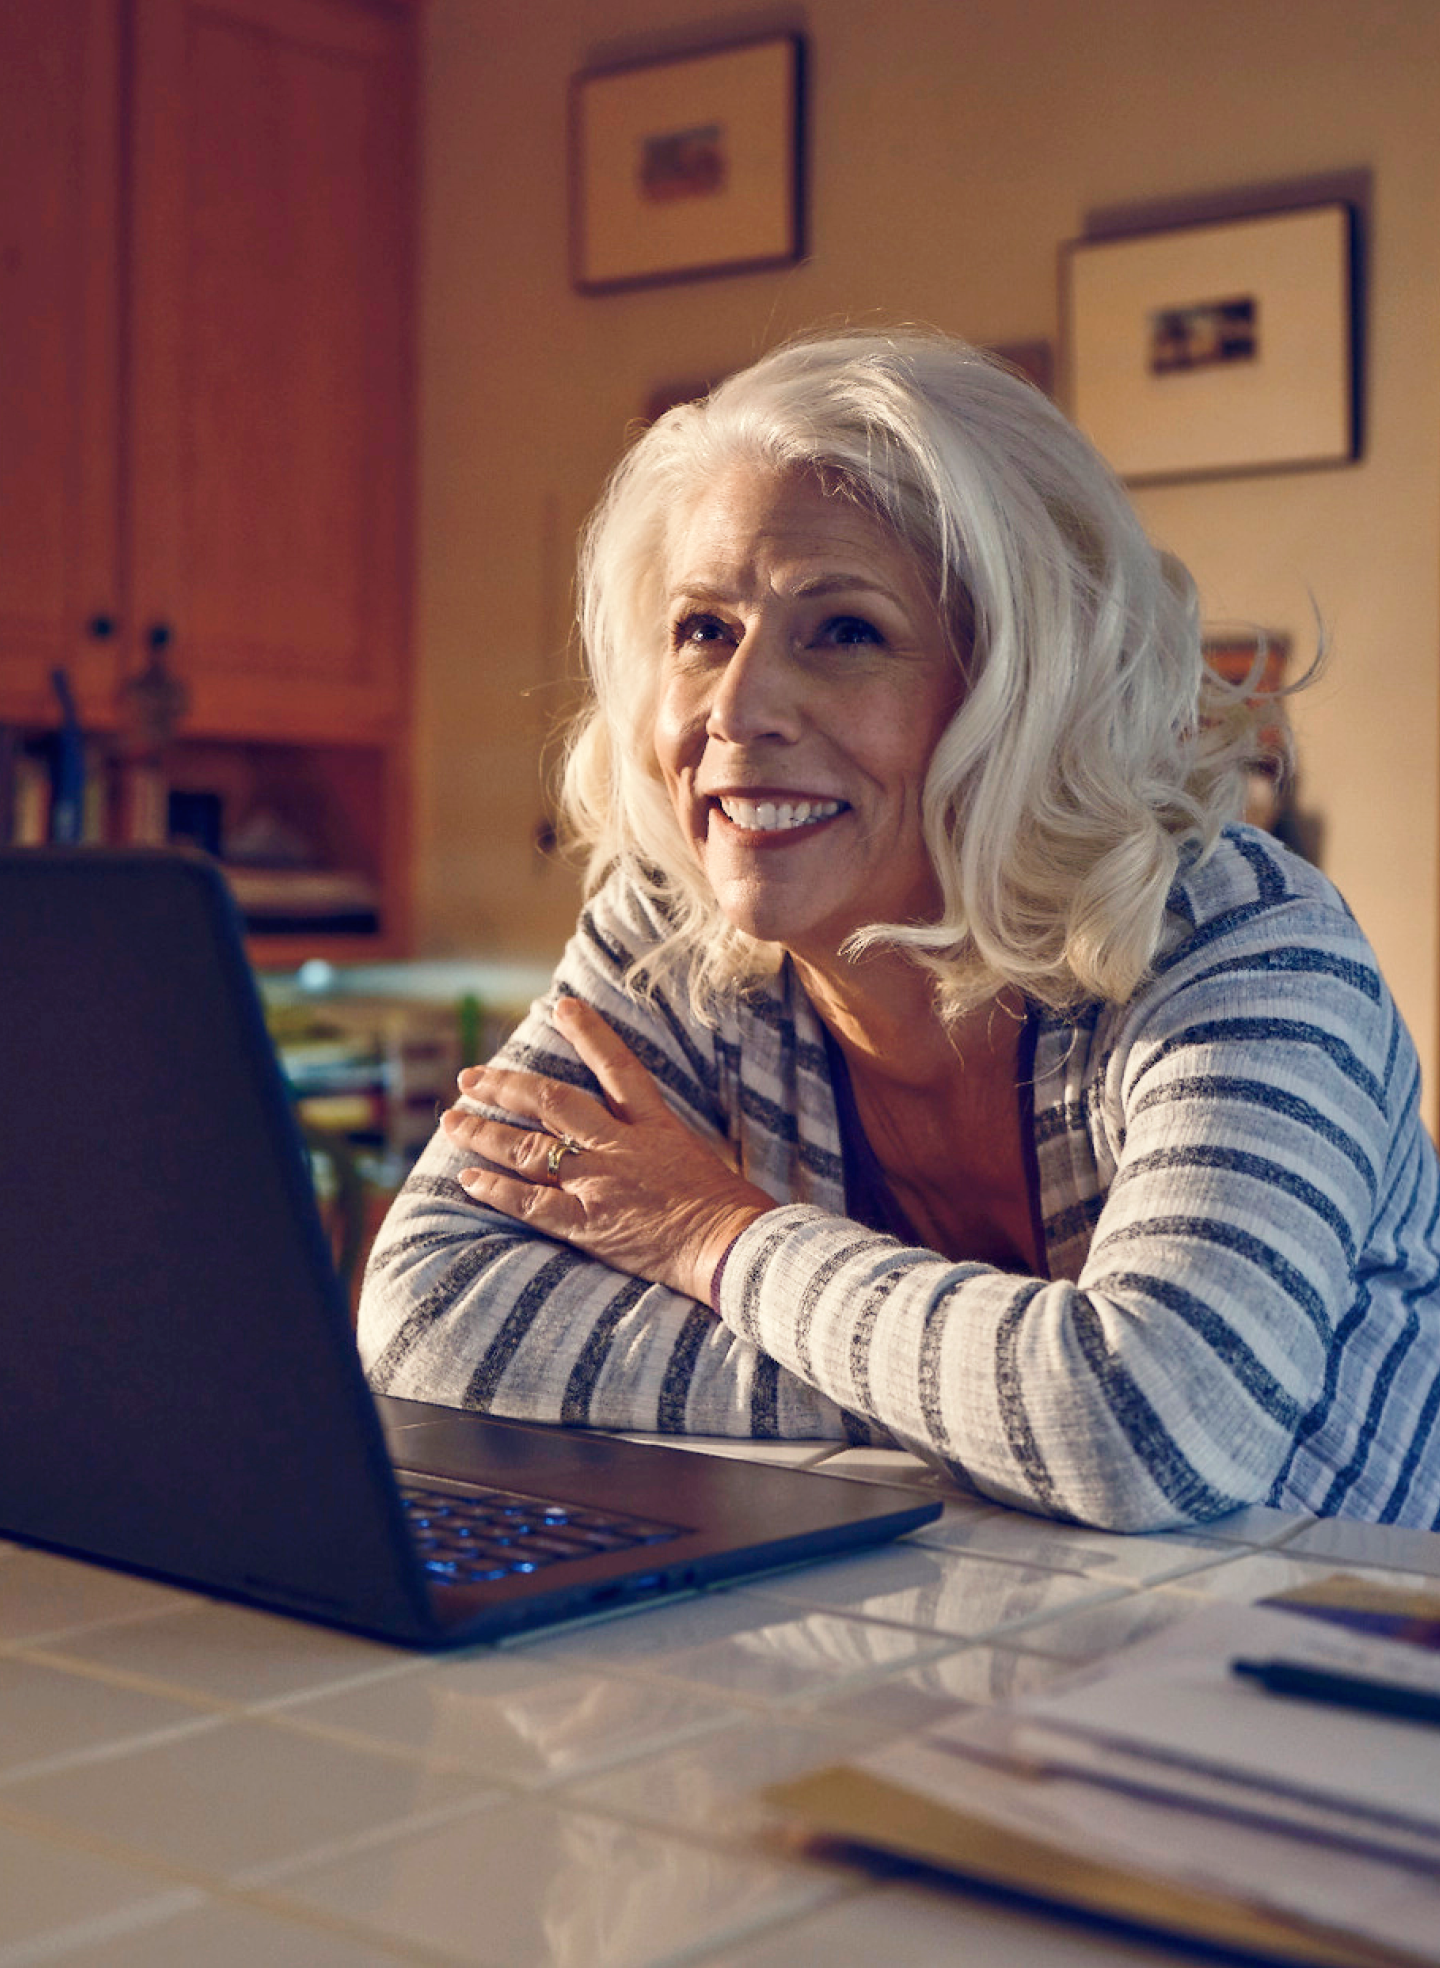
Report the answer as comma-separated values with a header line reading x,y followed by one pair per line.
x,y
955,145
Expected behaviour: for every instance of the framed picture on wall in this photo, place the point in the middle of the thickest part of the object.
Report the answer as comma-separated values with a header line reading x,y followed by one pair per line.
x,y
1216,349
688,167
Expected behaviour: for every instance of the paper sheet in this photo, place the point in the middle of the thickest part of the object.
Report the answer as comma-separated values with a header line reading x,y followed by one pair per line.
x,y
1174,1699
1161,1760
1371,1899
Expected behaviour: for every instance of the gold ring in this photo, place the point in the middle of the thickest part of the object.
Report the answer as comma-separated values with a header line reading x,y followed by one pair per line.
x,y
562,1145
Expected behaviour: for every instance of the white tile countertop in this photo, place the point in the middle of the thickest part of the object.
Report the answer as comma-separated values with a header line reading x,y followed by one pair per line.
x,y
188,1784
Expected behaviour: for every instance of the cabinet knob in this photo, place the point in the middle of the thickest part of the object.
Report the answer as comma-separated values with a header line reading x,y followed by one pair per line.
x,y
100,627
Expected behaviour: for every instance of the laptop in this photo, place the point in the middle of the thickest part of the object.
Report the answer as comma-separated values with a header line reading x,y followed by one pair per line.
x,y
179,1385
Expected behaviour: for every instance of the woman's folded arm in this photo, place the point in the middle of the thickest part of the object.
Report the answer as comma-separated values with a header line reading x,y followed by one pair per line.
x,y
1173,1379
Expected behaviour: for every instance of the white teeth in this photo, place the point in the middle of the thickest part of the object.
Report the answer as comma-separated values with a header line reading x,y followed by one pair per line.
x,y
774,816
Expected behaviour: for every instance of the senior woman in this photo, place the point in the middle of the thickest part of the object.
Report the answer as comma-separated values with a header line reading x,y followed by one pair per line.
x,y
935,1060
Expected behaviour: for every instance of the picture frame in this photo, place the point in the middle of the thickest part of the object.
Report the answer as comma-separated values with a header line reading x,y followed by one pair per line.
x,y
1217,349
688,167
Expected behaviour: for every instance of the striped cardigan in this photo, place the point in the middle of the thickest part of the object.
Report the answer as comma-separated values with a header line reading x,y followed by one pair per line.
x,y
1240,1207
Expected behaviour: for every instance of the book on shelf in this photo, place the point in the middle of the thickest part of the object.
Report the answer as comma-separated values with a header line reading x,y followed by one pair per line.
x,y
30,799
54,793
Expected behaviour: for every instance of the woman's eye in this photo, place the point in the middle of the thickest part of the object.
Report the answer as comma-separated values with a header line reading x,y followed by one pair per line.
x,y
848,629
693,630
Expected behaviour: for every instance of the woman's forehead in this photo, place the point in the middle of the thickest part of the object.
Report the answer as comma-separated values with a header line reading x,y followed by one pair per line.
x,y
751,521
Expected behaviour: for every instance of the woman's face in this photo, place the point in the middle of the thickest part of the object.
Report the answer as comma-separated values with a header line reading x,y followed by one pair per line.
x,y
806,681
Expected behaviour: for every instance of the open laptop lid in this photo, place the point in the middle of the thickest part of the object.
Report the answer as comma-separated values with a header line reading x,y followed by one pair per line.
x,y
179,1383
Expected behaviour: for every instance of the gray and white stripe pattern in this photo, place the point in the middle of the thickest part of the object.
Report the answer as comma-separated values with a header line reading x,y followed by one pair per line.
x,y
1241,1212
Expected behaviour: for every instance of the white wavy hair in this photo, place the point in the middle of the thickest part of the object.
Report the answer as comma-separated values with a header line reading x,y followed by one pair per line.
x,y
1092,740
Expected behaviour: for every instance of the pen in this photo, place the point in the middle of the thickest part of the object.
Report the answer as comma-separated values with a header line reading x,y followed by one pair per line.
x,y
1322,1684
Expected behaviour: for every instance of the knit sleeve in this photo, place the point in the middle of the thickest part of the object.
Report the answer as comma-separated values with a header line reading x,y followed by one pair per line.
x,y
1247,1099
465,1307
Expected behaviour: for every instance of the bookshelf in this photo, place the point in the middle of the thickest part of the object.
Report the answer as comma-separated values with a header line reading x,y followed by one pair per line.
x,y
312,837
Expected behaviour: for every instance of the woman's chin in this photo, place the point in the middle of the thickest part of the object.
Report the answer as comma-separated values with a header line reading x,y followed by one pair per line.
x,y
795,922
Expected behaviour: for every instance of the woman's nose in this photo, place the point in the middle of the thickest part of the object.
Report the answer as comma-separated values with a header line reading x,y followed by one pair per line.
x,y
757,695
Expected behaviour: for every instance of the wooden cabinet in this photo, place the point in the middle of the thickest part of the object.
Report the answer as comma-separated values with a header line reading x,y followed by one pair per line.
x,y
60,349
206,400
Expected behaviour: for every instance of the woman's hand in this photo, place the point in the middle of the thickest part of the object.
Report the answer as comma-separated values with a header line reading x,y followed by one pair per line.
x,y
623,1179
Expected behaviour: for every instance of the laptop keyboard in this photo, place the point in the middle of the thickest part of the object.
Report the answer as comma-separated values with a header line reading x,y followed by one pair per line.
x,y
471,1537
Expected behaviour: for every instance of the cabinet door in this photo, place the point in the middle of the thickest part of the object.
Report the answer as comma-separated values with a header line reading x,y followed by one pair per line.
x,y
59,351
270,347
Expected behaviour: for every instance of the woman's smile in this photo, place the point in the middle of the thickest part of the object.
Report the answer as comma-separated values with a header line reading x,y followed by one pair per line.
x,y
768,816
808,679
